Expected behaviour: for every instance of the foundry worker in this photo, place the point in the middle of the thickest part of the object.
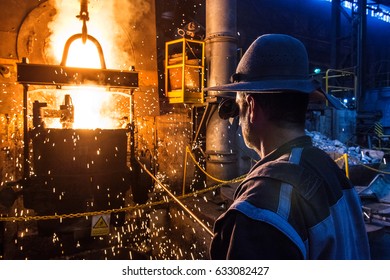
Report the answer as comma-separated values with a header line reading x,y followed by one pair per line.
x,y
295,203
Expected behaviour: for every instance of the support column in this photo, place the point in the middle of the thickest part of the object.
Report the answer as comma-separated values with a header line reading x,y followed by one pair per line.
x,y
221,62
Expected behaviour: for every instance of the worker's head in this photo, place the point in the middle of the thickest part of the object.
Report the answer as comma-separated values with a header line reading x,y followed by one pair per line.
x,y
274,63
260,115
283,109
273,86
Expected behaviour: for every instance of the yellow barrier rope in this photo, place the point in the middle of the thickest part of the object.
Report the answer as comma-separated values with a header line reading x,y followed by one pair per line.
x,y
102,212
345,158
340,158
177,200
209,175
376,170
77,215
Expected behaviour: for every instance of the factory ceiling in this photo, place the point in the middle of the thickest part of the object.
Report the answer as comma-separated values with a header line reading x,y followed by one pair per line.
x,y
382,2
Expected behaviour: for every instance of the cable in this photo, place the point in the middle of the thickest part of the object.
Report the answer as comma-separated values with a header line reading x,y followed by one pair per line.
x,y
177,200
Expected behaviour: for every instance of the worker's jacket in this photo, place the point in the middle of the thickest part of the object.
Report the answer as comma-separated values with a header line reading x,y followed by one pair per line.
x,y
296,203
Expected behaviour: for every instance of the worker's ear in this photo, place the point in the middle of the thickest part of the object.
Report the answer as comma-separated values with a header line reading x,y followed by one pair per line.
x,y
252,113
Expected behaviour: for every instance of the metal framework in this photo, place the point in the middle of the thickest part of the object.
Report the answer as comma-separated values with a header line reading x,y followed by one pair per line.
x,y
184,77
57,75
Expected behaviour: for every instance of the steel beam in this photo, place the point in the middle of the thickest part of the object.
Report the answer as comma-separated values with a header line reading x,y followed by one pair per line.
x,y
56,75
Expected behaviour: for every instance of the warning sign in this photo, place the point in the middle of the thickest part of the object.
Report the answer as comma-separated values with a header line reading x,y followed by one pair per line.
x,y
100,225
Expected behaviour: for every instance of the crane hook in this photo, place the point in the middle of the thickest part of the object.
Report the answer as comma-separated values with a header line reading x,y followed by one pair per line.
x,y
84,16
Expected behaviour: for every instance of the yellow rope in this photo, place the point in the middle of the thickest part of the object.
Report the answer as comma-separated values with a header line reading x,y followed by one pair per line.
x,y
209,175
102,212
77,215
344,157
340,158
376,170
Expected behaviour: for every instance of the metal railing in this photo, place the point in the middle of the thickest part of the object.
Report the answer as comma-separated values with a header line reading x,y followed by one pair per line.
x,y
340,78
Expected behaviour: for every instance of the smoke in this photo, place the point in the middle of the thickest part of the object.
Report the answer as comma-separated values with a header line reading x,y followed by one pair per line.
x,y
111,22
134,10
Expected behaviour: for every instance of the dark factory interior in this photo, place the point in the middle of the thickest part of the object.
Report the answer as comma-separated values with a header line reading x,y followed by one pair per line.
x,y
110,148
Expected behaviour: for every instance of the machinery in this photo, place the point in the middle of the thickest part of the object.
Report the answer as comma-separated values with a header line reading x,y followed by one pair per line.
x,y
69,170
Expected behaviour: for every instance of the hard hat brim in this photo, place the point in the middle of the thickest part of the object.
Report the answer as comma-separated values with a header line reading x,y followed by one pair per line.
x,y
311,87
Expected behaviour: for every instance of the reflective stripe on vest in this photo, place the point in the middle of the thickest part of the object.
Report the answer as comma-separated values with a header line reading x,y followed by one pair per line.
x,y
286,189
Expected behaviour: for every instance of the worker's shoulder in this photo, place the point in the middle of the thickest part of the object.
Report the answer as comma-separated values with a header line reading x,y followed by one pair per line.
x,y
315,154
263,182
281,169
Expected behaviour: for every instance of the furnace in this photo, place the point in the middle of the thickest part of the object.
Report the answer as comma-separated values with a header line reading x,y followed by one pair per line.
x,y
66,169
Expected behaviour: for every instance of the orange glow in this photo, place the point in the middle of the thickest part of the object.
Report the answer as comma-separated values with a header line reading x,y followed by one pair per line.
x,y
93,107
102,26
83,55
89,107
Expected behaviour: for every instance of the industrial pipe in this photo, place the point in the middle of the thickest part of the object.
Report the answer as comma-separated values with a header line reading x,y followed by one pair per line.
x,y
221,40
221,59
361,62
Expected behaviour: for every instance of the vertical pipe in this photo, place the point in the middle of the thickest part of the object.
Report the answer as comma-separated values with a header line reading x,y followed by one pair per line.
x,y
361,49
335,34
132,129
185,172
221,40
221,59
26,165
